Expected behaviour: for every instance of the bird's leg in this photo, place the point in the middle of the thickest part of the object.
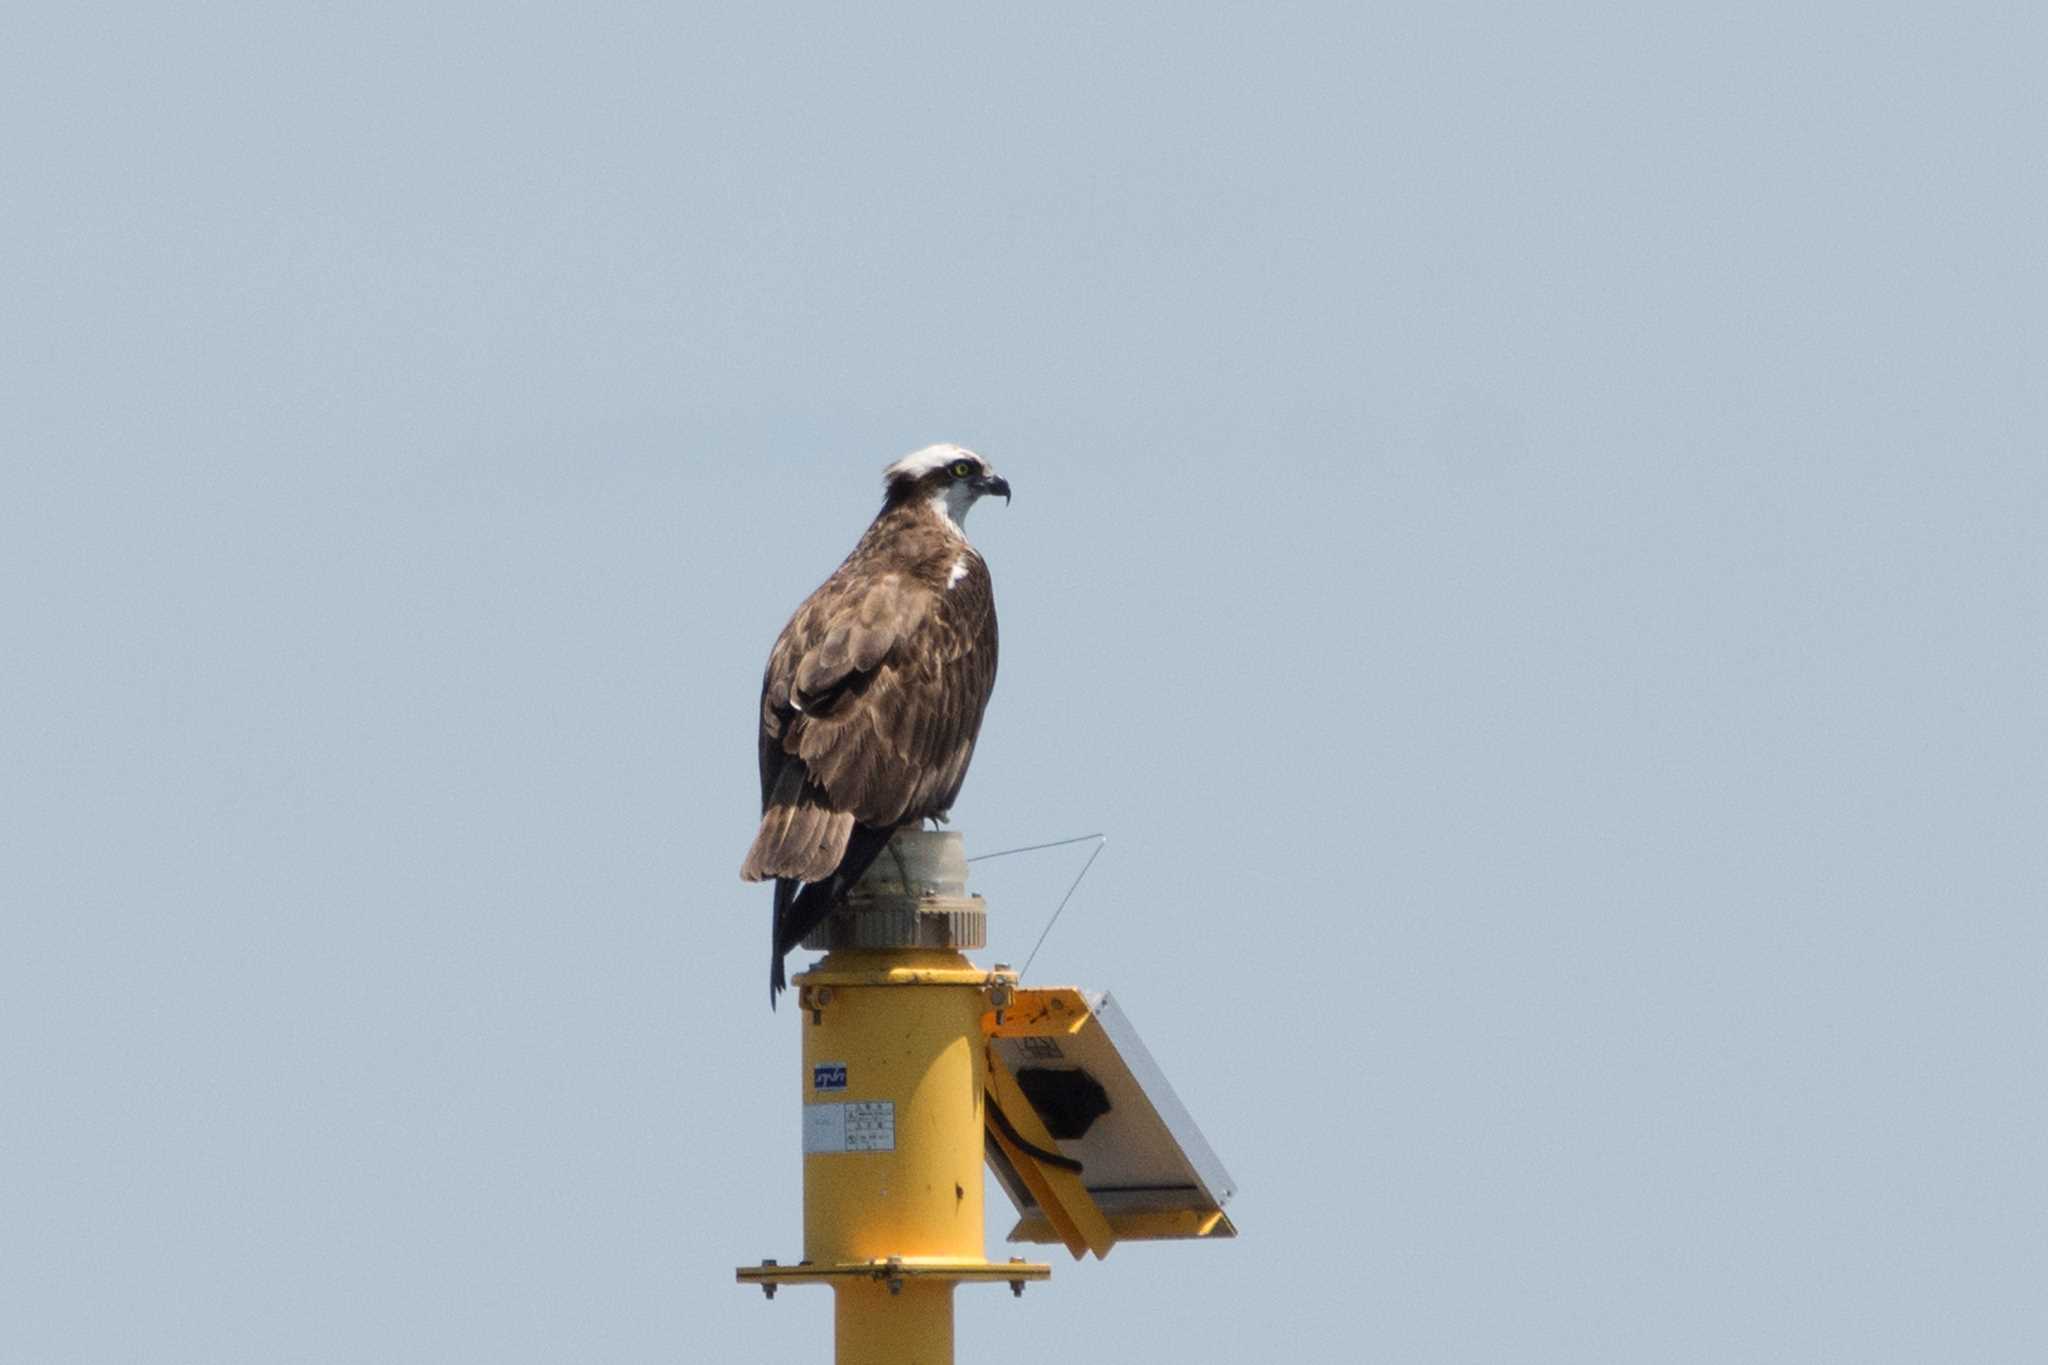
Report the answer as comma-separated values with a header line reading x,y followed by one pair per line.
x,y
902,868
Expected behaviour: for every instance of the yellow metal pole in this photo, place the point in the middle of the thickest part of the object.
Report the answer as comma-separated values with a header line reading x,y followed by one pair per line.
x,y
911,1049
871,1326
905,1026
894,1073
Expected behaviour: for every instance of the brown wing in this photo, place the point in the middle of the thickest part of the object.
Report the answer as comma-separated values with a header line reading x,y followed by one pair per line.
x,y
895,746
870,708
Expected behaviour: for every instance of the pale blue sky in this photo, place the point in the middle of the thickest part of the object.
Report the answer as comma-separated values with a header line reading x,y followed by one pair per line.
x,y
1528,534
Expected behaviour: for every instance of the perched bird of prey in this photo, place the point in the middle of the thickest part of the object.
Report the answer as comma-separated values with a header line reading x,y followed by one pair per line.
x,y
873,696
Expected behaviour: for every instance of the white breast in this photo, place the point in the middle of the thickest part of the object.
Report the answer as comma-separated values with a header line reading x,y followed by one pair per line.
x,y
959,572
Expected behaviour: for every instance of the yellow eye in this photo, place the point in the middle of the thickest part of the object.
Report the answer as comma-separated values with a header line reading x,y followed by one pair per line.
x,y
961,469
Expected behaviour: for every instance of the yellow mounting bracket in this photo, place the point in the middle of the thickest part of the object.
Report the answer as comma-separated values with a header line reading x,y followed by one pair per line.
x,y
1085,1134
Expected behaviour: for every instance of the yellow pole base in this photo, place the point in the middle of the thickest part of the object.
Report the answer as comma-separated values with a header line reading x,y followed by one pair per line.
x,y
872,1326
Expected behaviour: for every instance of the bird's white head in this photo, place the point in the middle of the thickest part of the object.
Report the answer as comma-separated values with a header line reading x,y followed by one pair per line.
x,y
951,478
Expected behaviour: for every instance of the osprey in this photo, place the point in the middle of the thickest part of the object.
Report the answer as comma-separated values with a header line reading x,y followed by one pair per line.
x,y
873,695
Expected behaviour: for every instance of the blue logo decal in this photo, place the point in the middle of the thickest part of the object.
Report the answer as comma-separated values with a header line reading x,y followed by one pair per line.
x,y
828,1076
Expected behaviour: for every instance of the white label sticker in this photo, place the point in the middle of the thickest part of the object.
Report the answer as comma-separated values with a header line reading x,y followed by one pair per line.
x,y
861,1126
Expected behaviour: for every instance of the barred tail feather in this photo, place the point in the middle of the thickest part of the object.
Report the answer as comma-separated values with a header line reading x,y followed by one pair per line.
x,y
804,841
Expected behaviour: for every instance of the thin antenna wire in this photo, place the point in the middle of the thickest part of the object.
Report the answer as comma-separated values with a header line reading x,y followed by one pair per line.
x,y
1069,896
1033,848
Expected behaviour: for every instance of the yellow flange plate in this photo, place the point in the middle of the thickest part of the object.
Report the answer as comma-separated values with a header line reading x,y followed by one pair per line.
x,y
989,1272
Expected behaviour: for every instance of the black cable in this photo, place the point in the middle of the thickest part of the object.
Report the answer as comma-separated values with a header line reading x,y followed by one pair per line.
x,y
1008,1130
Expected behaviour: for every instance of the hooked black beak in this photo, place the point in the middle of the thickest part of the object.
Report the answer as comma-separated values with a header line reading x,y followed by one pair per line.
x,y
993,483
